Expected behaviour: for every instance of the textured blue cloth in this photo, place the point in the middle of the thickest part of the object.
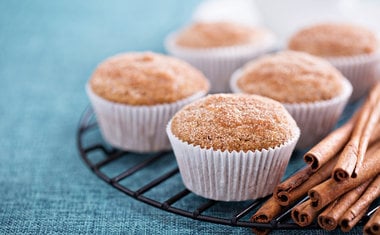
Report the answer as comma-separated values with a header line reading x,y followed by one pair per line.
x,y
48,50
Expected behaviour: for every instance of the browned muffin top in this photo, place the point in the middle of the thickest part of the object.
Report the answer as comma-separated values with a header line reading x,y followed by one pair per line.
x,y
146,79
291,77
334,39
219,34
234,122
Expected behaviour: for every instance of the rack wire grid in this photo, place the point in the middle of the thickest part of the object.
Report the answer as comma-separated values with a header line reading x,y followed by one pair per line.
x,y
165,190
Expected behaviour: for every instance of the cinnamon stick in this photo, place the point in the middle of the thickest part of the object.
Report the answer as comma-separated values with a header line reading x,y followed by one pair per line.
x,y
352,156
374,98
299,184
375,135
304,214
372,227
267,212
328,191
347,225
358,209
330,146
330,216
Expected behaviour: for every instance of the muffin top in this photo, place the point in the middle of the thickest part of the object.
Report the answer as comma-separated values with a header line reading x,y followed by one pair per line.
x,y
146,79
234,122
219,34
334,39
291,77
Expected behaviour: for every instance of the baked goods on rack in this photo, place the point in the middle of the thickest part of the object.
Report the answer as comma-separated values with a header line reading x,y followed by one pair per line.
x,y
134,95
351,48
311,89
219,48
232,147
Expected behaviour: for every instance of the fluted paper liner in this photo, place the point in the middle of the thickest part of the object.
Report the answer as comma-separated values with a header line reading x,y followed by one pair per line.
x,y
219,63
231,176
359,70
315,119
136,128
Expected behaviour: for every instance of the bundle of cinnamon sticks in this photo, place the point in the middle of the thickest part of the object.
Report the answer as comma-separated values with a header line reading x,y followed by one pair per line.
x,y
341,178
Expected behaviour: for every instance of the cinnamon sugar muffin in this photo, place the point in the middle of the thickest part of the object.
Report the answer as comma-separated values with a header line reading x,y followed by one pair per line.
x,y
146,79
227,145
334,39
353,49
218,34
311,89
218,48
291,77
135,94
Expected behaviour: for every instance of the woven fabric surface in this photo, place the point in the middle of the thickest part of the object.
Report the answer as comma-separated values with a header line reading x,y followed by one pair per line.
x,y
48,50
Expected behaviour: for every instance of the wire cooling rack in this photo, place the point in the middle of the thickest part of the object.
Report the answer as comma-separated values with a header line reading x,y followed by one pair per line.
x,y
155,180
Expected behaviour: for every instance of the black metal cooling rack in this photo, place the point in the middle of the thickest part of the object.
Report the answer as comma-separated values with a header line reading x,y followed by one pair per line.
x,y
98,156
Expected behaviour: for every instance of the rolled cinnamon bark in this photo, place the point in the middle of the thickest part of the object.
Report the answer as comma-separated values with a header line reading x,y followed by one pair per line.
x,y
372,227
358,209
373,119
330,216
347,161
267,212
328,191
347,225
330,146
352,156
301,182
375,135
304,214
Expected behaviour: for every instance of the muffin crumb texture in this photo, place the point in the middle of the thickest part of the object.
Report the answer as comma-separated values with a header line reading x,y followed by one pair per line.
x,y
219,34
291,77
334,40
234,122
146,79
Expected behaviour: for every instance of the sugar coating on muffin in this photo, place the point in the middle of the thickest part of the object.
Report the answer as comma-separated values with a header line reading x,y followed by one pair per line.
x,y
234,122
334,39
146,79
219,34
291,77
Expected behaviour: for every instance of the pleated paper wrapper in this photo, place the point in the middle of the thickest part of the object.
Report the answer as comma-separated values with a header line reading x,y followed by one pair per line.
x,y
315,119
231,176
361,71
136,128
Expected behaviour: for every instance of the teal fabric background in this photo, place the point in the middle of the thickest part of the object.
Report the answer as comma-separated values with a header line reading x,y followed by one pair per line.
x,y
48,50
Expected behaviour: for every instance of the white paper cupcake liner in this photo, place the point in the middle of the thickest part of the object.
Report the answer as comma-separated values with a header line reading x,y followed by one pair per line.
x,y
315,119
359,70
219,63
136,128
231,176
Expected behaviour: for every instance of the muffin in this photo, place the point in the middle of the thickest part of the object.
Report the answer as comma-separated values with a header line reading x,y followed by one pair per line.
x,y
232,147
311,89
134,95
219,48
353,49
